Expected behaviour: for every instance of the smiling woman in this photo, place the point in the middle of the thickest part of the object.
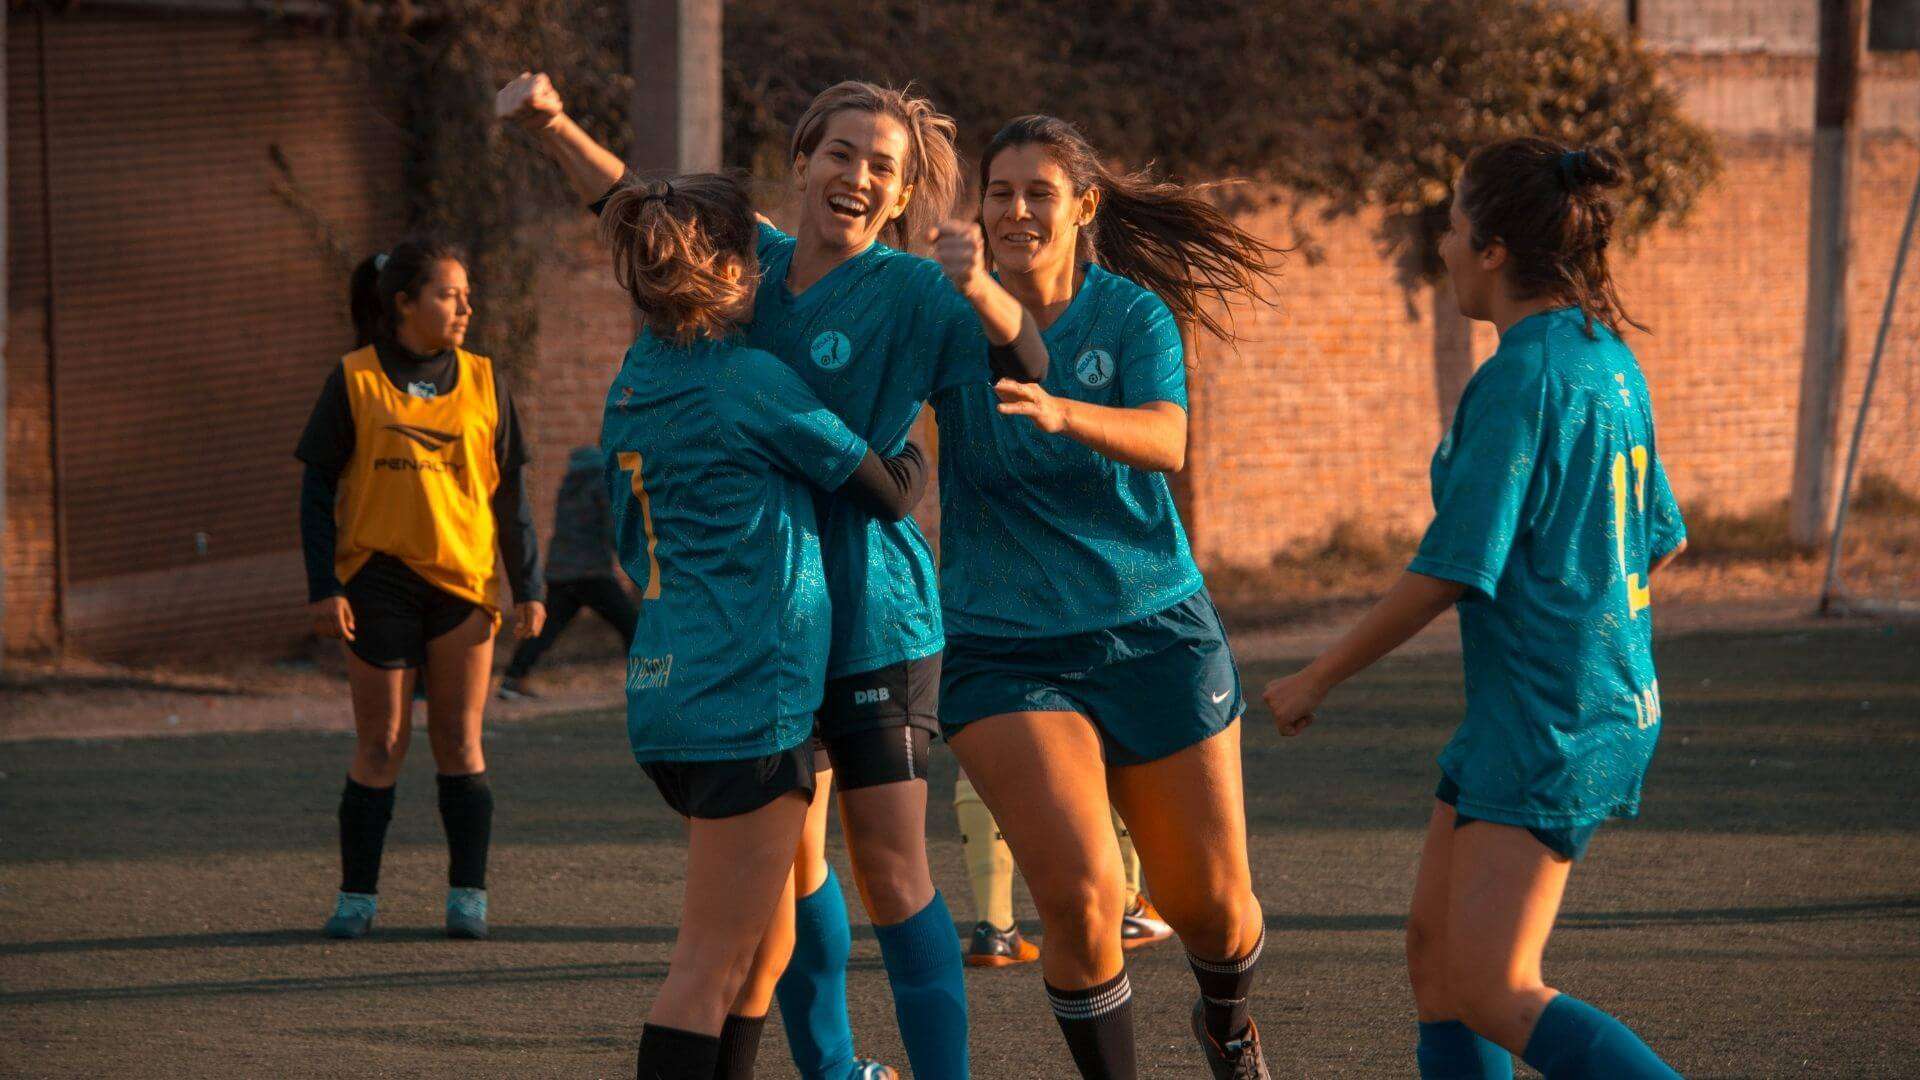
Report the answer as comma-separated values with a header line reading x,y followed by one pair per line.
x,y
1085,663
873,331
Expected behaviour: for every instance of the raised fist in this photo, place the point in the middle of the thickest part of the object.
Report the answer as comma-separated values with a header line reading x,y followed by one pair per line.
x,y
529,101
961,253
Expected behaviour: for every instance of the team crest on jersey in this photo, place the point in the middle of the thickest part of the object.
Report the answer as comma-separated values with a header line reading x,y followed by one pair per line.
x,y
832,350
1094,368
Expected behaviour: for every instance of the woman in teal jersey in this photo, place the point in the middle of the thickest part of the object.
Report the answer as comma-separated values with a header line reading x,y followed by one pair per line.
x,y
874,331
1551,512
715,522
1085,661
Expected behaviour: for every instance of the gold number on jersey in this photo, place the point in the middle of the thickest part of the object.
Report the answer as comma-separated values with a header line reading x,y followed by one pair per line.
x,y
1639,592
630,461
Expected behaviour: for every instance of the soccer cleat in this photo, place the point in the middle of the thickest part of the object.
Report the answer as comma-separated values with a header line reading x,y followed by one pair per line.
x,y
1142,925
352,916
1239,1059
517,690
871,1070
993,947
467,914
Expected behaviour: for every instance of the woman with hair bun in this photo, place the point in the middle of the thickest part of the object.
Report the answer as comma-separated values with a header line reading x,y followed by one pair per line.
x,y
875,331
1551,513
714,452
414,474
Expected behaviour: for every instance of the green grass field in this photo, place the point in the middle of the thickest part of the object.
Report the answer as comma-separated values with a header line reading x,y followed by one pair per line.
x,y
160,898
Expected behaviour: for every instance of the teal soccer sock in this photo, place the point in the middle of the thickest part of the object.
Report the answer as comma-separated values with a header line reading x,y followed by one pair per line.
x,y
1572,1040
1449,1050
813,991
922,957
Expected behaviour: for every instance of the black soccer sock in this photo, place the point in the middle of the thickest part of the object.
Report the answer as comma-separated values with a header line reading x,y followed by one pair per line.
x,y
739,1046
672,1054
1224,988
466,809
1098,1024
364,814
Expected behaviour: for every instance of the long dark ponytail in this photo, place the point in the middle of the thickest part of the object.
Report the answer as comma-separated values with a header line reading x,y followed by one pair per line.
x,y
404,269
1167,237
1547,204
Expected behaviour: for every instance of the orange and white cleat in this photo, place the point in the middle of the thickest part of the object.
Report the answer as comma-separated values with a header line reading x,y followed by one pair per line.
x,y
1141,925
994,947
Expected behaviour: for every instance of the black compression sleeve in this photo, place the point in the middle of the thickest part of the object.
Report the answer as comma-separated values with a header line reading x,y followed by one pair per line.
x,y
318,532
888,488
1025,358
600,203
519,545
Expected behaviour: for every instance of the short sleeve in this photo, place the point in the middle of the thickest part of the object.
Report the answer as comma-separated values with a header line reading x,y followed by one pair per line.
x,y
769,239
1666,529
959,341
1153,364
1490,454
782,421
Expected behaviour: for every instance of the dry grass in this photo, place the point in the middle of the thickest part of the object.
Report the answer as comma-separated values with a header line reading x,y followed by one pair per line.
x,y
1729,557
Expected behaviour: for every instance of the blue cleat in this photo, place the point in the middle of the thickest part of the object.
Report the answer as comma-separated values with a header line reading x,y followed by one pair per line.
x,y
352,916
467,914
871,1070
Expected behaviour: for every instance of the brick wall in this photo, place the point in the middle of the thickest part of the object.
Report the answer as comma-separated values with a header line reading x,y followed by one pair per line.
x,y
1327,411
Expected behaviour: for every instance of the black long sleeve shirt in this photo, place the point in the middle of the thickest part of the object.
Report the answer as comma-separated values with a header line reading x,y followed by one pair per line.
x,y
327,445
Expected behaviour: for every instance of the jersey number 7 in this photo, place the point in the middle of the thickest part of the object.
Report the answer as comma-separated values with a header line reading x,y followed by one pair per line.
x,y
630,462
1639,592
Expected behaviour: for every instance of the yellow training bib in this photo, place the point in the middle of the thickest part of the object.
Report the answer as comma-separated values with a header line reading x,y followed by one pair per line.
x,y
421,478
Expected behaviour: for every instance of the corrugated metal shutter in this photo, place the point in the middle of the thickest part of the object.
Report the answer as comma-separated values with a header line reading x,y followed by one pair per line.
x,y
196,310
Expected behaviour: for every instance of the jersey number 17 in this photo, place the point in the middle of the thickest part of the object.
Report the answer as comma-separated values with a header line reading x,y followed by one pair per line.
x,y
630,462
1639,592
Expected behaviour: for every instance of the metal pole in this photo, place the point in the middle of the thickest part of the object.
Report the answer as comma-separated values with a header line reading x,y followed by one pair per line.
x,y
1843,42
674,55
1866,396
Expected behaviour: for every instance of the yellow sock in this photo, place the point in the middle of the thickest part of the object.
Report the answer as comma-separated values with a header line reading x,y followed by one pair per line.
x,y
989,863
1129,858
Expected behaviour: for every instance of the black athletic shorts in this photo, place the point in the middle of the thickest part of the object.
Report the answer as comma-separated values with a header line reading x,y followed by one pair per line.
x,y
875,727
875,756
904,693
723,789
396,612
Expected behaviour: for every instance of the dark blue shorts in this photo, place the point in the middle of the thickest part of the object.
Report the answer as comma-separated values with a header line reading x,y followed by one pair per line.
x,y
1152,687
1566,842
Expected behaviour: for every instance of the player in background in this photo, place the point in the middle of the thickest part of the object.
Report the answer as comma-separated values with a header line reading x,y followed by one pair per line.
x,y
1085,663
581,570
716,526
1551,513
414,473
996,939
874,331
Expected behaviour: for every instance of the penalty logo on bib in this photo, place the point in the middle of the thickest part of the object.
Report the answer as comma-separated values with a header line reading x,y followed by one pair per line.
x,y
832,350
1094,368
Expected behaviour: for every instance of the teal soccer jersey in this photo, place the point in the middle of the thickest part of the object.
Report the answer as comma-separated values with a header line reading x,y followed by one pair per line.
x,y
1040,535
709,453
874,338
1550,505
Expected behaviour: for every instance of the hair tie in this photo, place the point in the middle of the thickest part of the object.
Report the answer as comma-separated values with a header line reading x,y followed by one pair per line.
x,y
380,262
663,195
1570,163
